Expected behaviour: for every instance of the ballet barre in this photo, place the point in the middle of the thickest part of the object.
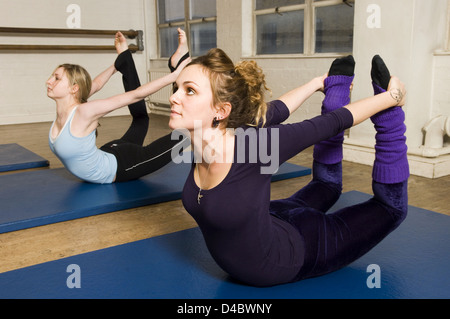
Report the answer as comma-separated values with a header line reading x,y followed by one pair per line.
x,y
131,34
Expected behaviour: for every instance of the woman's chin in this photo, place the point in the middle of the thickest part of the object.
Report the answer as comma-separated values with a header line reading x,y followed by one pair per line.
x,y
171,124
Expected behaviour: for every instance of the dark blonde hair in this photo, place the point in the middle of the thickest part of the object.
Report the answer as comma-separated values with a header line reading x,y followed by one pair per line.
x,y
243,86
78,75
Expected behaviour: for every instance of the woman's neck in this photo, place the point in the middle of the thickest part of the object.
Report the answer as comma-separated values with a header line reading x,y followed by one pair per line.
x,y
65,106
213,146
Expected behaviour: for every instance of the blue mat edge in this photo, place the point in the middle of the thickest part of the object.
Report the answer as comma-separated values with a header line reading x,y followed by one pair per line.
x,y
37,162
17,167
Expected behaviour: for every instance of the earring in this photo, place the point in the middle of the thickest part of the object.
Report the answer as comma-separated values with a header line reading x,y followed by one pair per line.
x,y
215,122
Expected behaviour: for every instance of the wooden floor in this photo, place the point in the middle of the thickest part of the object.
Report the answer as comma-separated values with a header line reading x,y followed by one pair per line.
x,y
40,244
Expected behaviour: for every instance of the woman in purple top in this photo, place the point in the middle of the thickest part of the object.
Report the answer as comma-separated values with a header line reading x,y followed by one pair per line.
x,y
236,137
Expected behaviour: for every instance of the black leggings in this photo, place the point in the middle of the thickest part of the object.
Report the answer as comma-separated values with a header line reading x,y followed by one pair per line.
x,y
133,159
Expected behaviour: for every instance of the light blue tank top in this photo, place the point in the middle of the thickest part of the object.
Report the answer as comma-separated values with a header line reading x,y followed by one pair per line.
x,y
81,156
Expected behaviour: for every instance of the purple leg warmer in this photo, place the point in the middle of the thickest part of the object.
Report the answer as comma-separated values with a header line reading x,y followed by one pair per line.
x,y
391,162
337,95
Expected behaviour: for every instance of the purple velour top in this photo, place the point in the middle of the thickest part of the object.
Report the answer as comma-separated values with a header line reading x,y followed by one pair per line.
x,y
242,236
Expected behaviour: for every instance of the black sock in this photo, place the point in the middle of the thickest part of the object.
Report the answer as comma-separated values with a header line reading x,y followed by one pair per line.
x,y
184,57
343,66
380,73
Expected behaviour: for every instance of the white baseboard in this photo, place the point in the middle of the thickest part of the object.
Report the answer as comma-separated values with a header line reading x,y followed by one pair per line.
x,y
421,166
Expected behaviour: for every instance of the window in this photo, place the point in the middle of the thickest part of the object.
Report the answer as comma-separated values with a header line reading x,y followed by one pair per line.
x,y
196,17
303,26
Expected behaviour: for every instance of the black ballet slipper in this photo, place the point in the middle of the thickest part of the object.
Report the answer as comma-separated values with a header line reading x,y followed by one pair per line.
x,y
184,57
343,66
380,73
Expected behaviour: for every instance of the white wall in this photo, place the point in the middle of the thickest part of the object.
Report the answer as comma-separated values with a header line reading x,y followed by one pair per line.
x,y
440,104
407,35
23,74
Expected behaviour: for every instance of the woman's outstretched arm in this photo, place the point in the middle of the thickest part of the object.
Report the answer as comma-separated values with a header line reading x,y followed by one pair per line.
x,y
296,97
94,110
100,80
365,108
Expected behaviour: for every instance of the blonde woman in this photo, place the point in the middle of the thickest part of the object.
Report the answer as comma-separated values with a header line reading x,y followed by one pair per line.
x,y
72,136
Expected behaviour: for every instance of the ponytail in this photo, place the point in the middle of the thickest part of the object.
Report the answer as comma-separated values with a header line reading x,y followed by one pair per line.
x,y
256,85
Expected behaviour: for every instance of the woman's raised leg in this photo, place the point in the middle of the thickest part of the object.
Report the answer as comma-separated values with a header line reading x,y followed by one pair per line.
x,y
336,239
326,186
182,52
124,63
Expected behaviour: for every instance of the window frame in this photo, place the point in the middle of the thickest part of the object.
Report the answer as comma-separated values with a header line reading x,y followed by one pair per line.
x,y
447,35
309,8
184,24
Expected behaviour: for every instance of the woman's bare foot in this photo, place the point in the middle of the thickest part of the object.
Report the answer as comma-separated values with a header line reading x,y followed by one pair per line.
x,y
182,49
120,43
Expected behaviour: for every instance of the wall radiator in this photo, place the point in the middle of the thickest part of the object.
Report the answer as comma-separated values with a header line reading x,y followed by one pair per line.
x,y
159,101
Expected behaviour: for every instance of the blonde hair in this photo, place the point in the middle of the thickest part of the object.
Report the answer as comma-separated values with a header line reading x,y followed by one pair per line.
x,y
243,86
79,76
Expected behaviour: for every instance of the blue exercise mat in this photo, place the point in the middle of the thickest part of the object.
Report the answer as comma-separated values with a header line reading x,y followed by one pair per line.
x,y
37,198
413,262
15,157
